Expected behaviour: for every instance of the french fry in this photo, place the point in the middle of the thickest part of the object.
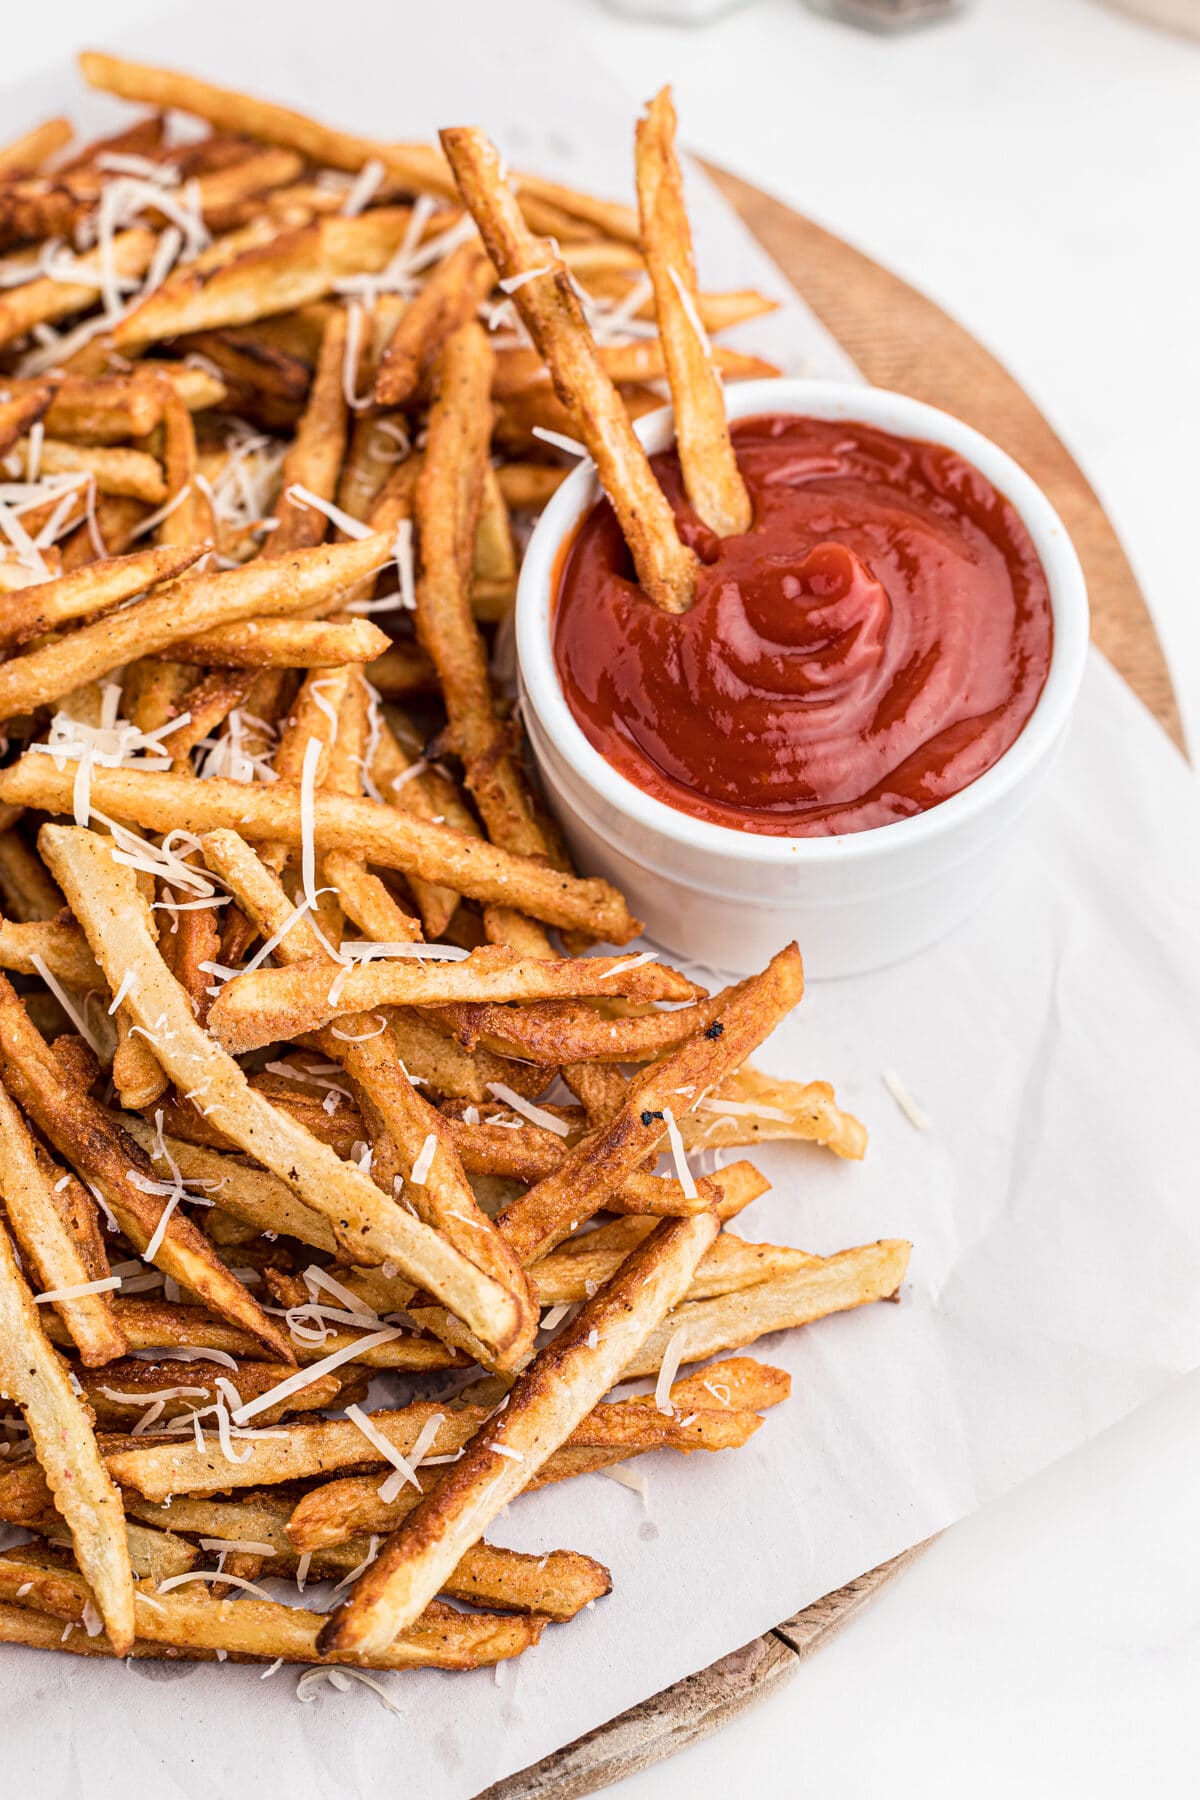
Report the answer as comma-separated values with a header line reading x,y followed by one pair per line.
x,y
62,947
92,589
124,1392
158,1325
731,1264
105,899
317,452
710,473
562,1385
266,1004
378,833
34,1375
285,644
55,1237
528,487
552,315
177,612
402,671
557,1032
290,270
830,1284
643,359
752,1108
131,473
190,1619
21,410
108,1160
47,298
448,299
27,153
540,1219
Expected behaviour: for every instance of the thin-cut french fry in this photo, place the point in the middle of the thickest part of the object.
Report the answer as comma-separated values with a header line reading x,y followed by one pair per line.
x,y
56,1245
91,589
24,155
378,833
105,899
553,316
731,1264
131,473
710,473
830,1284
540,1219
641,360
62,947
124,1392
527,487
109,1161
448,299
258,1007
566,1031
34,1375
190,1619
290,270
560,1387
178,611
285,644
18,411
318,450
56,297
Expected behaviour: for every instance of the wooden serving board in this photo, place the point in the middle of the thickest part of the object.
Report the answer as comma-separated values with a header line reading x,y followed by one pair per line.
x,y
901,340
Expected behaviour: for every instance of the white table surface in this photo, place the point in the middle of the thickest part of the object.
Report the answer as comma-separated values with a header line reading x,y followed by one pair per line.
x,y
1032,166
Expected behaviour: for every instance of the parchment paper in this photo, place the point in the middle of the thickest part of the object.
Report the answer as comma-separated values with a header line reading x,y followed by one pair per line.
x,y
1052,1204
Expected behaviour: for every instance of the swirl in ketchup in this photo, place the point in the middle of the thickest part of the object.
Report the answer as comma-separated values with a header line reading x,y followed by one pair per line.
x,y
872,644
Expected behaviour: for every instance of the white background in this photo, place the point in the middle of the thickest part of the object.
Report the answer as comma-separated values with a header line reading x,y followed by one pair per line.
x,y
1033,167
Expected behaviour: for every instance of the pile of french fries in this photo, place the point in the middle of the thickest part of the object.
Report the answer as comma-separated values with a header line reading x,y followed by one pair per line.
x,y
331,1207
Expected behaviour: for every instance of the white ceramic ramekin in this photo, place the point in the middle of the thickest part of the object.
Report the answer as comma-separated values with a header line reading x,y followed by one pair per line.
x,y
730,898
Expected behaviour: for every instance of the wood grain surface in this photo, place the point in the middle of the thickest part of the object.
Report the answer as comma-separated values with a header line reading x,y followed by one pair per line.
x,y
900,340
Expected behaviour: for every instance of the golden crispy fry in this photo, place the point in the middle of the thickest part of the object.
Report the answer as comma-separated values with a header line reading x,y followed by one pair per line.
x,y
124,472
156,1324
92,589
285,643
56,1238
829,1284
378,833
108,1159
559,1388
540,1219
565,1031
731,1264
290,270
18,411
710,473
448,299
46,298
105,899
399,778
27,153
124,1392
317,451
368,902
62,947
527,487
752,1108
552,314
266,1004
190,1619
402,671
242,1191
176,612
190,518
34,1375
643,359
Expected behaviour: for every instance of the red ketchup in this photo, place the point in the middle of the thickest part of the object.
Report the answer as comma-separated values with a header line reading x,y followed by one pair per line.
x,y
872,644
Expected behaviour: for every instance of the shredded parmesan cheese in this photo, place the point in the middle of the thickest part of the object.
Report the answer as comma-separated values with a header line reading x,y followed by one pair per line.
x,y
424,1162
537,1115
675,1138
912,1109
668,1369
305,1377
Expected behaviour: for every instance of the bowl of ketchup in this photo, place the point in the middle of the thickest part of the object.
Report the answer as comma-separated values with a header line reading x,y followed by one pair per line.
x,y
834,741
